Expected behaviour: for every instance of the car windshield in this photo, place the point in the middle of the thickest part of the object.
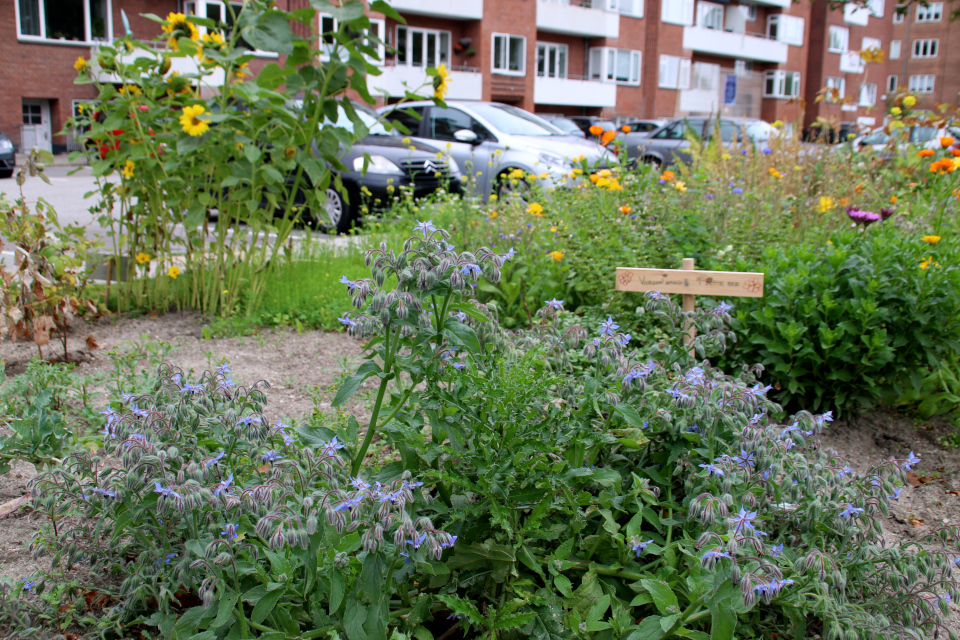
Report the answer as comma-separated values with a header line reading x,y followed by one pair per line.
x,y
565,125
877,137
922,134
513,121
367,116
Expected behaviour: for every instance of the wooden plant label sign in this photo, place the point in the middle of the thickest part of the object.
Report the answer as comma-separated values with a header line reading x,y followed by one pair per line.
x,y
691,282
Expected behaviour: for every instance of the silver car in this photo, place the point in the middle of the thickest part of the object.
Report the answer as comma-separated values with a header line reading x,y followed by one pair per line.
x,y
490,141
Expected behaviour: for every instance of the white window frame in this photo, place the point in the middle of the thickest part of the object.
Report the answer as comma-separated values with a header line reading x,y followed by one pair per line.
x,y
931,13
838,39
706,77
88,26
876,8
786,29
710,15
558,48
749,12
894,49
925,48
840,84
853,14
603,65
674,72
922,83
893,83
780,80
632,8
505,39
869,90
677,12
377,25
897,16
438,35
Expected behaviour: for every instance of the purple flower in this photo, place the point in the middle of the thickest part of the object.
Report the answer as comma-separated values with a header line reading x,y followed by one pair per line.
x,y
230,531
556,305
712,469
214,460
743,520
351,285
776,549
461,316
638,546
346,321
608,327
271,456
28,584
165,492
737,190
417,541
850,512
885,213
862,217
896,494
509,254
249,420
912,460
170,557
744,459
426,228
223,486
710,196
470,268
722,308
767,151
625,338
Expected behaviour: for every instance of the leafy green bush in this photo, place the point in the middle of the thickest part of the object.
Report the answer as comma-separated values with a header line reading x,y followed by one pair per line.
x,y
861,319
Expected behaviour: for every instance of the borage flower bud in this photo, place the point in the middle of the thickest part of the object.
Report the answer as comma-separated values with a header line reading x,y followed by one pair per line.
x,y
369,541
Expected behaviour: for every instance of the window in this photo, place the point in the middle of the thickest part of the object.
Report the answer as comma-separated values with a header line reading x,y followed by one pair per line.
x,y
678,130
786,29
65,20
410,121
674,72
868,95
921,84
551,60
876,8
930,13
32,114
836,88
677,11
509,54
853,14
781,84
328,39
710,15
894,49
870,43
628,7
742,67
893,83
898,12
749,12
839,39
615,65
706,77
925,48
443,123
422,47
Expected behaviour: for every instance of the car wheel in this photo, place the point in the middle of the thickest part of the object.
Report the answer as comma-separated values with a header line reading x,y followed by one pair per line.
x,y
512,187
653,160
338,213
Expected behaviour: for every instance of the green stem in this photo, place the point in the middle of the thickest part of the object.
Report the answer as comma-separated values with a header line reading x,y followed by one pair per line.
x,y
687,615
372,427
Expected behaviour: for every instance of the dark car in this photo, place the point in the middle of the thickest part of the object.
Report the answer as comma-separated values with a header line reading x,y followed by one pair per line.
x,y
643,126
566,125
670,143
585,122
383,162
8,161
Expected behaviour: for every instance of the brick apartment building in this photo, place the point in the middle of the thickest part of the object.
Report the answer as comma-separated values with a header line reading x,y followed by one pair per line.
x,y
615,58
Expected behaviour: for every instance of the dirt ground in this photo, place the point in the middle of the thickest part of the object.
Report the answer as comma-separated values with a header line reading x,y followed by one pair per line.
x,y
303,370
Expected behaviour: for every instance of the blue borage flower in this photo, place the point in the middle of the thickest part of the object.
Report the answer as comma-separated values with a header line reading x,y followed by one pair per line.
x,y
351,284
248,421
743,521
271,456
209,462
330,448
850,512
556,305
28,584
911,461
721,309
346,321
426,228
166,492
230,531
461,316
223,486
608,327
470,268
744,459
776,549
710,558
712,469
639,547
509,254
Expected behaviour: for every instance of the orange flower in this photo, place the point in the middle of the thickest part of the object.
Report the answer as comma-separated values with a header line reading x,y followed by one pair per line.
x,y
667,176
925,153
893,199
955,152
625,128
844,202
596,129
594,178
946,141
858,188
941,166
607,137
625,209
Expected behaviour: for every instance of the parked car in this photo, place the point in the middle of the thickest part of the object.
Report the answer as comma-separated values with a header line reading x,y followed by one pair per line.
x,y
566,125
490,140
585,122
924,137
8,161
669,144
644,126
383,162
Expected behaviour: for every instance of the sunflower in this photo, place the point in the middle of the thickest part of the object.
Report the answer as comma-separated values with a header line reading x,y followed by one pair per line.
x,y
178,27
441,82
80,64
931,239
556,256
128,169
191,122
210,42
173,272
535,209
142,258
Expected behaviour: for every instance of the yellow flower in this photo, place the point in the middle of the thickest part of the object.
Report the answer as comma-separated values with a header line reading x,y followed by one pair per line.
x,y
602,182
80,64
531,176
130,90
556,256
725,156
579,158
142,258
544,175
909,102
577,171
931,239
826,204
554,229
535,209
178,27
128,169
896,124
493,197
928,262
441,82
778,123
605,173
895,111
680,186
405,141
493,214
190,121
173,272
774,173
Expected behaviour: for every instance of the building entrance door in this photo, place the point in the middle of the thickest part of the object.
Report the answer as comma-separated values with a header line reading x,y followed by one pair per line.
x,y
35,130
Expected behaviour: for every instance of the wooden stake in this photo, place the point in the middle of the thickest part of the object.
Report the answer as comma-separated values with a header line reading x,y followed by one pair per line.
x,y
689,304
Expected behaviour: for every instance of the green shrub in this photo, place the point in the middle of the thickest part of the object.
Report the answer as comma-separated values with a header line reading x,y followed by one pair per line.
x,y
861,319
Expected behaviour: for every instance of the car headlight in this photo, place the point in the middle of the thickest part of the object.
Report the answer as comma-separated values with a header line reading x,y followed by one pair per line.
x,y
6,145
552,160
377,164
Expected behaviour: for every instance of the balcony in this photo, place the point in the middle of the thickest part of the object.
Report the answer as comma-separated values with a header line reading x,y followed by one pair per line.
x,y
851,62
466,83
783,4
743,46
574,92
450,9
584,18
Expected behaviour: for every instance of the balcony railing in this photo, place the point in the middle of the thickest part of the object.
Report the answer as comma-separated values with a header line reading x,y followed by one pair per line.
x,y
466,83
744,46
449,9
584,18
574,91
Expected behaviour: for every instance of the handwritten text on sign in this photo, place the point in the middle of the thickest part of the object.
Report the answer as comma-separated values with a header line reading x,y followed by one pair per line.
x,y
707,283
